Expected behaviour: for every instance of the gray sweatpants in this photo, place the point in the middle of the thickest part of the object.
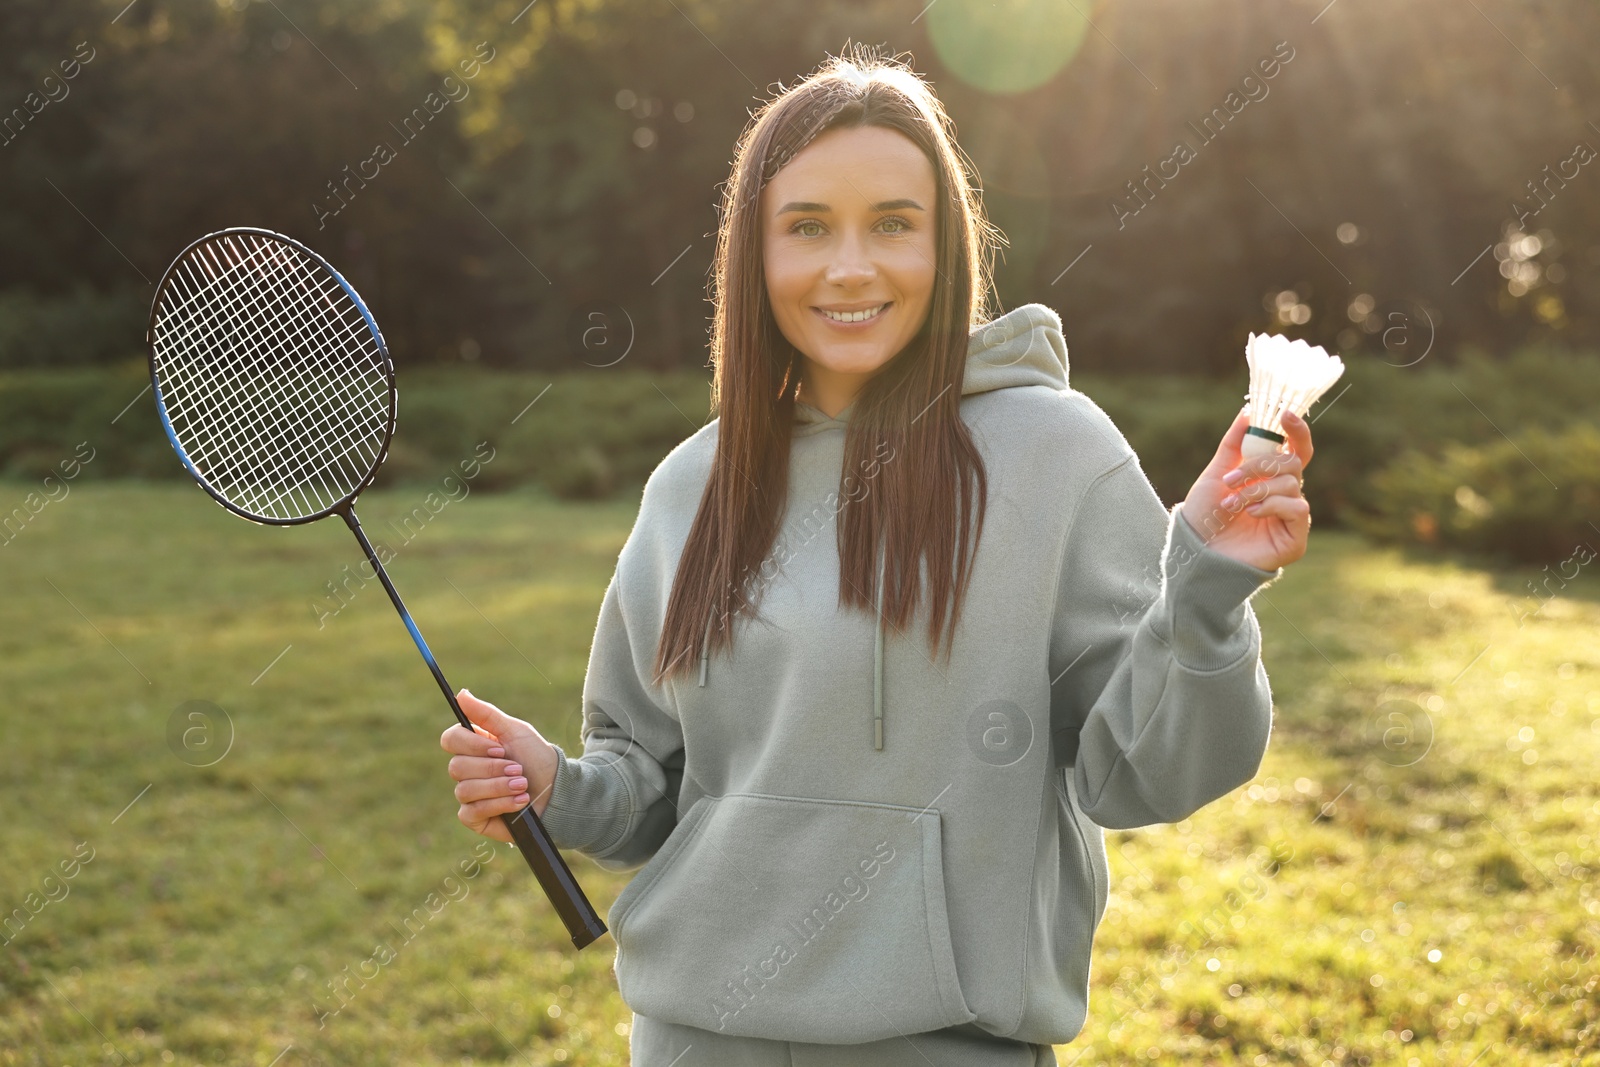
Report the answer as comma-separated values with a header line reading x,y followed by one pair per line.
x,y
654,1043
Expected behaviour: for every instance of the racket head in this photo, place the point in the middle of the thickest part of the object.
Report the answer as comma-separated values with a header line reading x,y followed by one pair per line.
x,y
270,375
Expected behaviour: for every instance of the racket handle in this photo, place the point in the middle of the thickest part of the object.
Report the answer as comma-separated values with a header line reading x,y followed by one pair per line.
x,y
566,896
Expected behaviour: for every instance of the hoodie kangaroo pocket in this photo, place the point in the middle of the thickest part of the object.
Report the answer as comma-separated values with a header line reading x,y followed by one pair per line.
x,y
794,920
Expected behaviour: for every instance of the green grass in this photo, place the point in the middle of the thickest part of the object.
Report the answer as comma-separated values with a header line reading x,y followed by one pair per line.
x,y
219,905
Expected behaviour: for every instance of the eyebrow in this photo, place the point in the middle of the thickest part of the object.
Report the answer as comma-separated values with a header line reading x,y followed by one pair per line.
x,y
887,205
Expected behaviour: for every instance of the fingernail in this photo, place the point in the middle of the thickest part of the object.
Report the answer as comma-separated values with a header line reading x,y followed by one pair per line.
x,y
513,769
497,751
1233,477
519,784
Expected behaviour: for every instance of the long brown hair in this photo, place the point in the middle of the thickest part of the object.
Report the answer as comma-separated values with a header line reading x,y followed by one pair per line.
x,y
906,417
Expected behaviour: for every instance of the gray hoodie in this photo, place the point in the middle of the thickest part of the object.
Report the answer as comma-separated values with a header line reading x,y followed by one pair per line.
x,y
843,840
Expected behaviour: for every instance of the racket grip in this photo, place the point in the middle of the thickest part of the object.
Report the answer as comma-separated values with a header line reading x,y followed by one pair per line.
x,y
563,890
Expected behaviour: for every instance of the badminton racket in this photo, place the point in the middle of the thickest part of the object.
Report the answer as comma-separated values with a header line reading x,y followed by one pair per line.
x,y
277,392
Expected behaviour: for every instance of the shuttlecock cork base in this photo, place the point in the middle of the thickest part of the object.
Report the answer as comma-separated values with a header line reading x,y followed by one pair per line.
x,y
1285,376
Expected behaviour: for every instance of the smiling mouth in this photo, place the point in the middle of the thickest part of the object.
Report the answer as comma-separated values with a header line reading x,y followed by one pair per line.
x,y
850,317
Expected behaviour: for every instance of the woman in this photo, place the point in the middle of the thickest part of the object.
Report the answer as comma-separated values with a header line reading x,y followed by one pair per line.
x,y
855,849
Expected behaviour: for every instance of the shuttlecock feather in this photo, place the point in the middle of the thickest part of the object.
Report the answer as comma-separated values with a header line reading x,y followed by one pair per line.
x,y
1285,376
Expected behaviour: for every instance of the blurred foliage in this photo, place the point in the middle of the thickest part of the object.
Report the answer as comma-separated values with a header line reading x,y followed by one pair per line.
x,y
1392,443
79,327
578,168
1533,496
579,436
1394,456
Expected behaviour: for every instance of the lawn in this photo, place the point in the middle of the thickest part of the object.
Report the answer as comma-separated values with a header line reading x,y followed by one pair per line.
x,y
241,774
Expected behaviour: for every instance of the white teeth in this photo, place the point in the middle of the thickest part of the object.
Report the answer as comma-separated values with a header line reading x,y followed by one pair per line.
x,y
853,316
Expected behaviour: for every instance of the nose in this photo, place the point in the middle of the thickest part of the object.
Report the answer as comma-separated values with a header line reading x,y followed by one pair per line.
x,y
850,265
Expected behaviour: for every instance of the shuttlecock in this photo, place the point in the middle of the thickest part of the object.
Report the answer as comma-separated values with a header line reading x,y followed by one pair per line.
x,y
1285,376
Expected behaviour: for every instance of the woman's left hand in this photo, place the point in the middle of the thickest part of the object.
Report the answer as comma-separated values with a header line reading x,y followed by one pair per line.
x,y
1253,511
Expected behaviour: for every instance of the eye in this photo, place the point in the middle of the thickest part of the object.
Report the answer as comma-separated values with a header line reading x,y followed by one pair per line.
x,y
903,226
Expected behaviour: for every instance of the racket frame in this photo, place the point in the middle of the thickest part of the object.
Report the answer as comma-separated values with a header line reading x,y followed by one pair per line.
x,y
372,324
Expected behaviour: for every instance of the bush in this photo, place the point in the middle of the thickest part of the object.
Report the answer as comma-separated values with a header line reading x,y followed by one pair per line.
x,y
80,328
581,435
1392,444
1529,498
586,436
1380,416
1388,411
45,415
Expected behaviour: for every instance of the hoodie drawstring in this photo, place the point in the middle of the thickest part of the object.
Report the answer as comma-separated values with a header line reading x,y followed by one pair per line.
x,y
877,659
705,648
877,664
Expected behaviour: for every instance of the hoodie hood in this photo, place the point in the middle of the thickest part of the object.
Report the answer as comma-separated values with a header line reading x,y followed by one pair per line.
x,y
1022,347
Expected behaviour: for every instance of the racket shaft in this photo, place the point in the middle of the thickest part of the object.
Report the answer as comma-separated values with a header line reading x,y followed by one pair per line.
x,y
533,841
405,616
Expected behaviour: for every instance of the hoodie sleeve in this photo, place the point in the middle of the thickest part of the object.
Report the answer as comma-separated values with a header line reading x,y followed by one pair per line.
x,y
1159,699
616,803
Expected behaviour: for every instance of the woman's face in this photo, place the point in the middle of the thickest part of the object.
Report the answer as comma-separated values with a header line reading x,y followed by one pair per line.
x,y
848,226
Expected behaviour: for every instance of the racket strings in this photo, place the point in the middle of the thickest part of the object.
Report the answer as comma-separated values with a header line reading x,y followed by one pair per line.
x,y
273,382
304,391
225,440
276,308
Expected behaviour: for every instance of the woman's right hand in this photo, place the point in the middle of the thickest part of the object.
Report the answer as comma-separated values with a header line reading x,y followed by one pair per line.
x,y
499,768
